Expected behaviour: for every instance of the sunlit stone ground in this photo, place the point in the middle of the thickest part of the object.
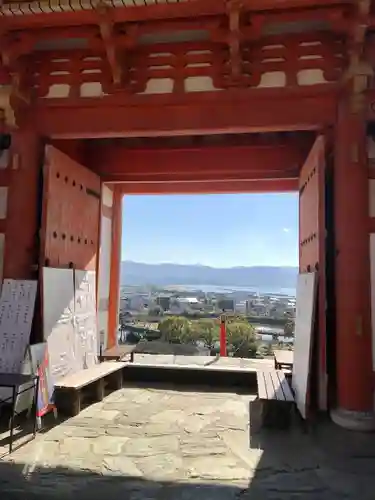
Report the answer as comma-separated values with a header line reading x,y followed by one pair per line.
x,y
146,443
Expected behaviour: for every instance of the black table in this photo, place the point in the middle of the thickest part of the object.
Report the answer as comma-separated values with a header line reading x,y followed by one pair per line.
x,y
14,381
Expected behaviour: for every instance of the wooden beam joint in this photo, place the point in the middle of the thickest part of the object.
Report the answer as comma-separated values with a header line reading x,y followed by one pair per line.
x,y
359,72
234,41
357,32
107,27
11,53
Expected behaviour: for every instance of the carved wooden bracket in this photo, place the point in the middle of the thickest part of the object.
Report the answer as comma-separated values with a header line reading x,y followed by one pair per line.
x,y
234,41
106,27
357,32
359,73
11,60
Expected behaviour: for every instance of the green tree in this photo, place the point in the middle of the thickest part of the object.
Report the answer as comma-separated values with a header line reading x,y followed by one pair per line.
x,y
176,329
207,330
241,337
236,318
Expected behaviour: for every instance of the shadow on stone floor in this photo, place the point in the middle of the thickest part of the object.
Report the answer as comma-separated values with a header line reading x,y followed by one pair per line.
x,y
202,387
23,429
287,470
19,482
326,464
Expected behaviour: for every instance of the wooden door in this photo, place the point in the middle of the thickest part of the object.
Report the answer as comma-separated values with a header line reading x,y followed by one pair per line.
x,y
312,256
71,208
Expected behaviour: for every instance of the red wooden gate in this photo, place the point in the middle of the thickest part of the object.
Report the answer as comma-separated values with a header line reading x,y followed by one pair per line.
x,y
312,240
71,208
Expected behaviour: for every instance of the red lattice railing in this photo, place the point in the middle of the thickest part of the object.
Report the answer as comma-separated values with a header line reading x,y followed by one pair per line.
x,y
298,59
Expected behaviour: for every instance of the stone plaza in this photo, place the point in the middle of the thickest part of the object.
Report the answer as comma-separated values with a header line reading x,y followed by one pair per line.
x,y
159,442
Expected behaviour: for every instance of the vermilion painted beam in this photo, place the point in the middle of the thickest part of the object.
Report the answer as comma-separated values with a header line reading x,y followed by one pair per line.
x,y
235,111
185,10
114,281
216,187
202,176
119,164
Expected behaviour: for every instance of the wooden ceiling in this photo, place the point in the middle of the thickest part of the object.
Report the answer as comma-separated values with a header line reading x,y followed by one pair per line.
x,y
130,42
120,28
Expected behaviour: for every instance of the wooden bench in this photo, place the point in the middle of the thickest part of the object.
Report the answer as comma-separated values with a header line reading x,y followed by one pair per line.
x,y
118,353
70,391
275,398
283,359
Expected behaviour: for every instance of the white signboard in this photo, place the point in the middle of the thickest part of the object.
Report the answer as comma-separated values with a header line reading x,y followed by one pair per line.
x,y
304,327
58,321
85,318
17,304
69,320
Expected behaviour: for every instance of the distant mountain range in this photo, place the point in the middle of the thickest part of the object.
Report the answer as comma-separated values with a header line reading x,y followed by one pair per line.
x,y
136,273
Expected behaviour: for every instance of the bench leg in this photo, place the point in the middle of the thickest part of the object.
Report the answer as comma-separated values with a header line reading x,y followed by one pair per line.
x,y
115,380
277,414
99,390
76,403
68,402
118,379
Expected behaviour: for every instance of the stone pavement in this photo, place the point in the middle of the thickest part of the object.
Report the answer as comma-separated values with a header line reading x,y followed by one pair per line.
x,y
157,443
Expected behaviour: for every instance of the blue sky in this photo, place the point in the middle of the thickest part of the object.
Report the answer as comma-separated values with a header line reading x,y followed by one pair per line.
x,y
215,230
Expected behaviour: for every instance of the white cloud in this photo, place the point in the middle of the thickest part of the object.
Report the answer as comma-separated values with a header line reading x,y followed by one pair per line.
x,y
286,229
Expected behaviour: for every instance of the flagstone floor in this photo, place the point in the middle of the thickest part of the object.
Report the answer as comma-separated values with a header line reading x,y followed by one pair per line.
x,y
161,443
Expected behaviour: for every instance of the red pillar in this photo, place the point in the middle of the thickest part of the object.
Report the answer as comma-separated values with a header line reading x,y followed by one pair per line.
x,y
223,336
114,284
21,221
354,377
